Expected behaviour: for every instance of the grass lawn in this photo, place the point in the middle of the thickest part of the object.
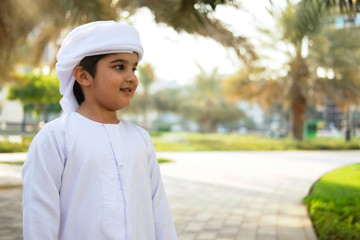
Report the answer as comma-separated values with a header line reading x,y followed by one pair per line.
x,y
164,160
184,141
334,204
169,141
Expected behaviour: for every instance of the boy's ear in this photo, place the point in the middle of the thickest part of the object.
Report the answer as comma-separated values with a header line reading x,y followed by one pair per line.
x,y
82,76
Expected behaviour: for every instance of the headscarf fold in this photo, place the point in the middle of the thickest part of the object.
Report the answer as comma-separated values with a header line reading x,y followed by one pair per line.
x,y
95,38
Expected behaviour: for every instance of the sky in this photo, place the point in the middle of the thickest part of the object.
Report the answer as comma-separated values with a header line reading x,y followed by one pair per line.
x,y
177,56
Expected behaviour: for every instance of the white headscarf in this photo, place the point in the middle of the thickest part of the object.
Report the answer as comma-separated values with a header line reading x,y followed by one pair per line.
x,y
90,39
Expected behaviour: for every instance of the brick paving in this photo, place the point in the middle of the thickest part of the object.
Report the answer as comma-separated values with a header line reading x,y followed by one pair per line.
x,y
11,214
219,195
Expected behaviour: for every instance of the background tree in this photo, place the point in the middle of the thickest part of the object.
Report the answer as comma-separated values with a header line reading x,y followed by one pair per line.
x,y
38,93
206,104
169,100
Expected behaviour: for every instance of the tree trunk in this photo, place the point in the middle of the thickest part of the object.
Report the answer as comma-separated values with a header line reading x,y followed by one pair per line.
x,y
146,124
23,123
299,74
145,113
298,108
46,114
205,123
348,124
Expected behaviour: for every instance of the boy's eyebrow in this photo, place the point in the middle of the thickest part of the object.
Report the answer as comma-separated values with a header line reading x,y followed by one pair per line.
x,y
122,61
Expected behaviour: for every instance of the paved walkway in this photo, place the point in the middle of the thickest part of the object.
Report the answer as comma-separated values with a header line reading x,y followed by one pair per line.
x,y
221,195
245,195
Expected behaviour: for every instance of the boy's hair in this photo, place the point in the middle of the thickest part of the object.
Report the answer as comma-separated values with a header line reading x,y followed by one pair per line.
x,y
89,64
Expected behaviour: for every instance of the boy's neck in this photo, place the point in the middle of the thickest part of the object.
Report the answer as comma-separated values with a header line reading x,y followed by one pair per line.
x,y
106,117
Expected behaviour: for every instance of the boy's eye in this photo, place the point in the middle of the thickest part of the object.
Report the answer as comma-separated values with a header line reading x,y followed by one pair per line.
x,y
134,69
119,67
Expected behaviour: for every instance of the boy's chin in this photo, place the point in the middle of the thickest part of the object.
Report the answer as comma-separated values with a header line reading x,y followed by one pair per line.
x,y
123,107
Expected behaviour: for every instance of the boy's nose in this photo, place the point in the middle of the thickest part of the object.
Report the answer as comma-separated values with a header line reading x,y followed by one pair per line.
x,y
131,77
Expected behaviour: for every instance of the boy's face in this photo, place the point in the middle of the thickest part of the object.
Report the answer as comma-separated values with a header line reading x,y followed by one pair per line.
x,y
115,81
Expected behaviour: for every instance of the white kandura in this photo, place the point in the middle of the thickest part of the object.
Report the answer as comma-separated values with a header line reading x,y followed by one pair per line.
x,y
88,180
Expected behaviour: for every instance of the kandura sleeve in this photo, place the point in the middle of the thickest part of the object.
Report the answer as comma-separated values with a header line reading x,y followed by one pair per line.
x,y
164,226
41,174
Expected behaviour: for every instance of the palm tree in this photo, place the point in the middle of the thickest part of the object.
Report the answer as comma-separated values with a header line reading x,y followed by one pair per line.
x,y
331,48
292,87
301,85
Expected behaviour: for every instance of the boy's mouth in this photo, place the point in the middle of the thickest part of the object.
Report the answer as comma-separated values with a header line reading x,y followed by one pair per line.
x,y
127,90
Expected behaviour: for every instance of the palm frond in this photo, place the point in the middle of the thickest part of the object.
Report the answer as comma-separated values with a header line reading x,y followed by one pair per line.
x,y
195,17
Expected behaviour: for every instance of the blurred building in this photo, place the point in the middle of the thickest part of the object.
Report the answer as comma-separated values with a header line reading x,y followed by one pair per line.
x,y
332,115
11,113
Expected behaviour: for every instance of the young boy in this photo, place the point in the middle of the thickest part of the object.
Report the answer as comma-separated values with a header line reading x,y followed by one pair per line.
x,y
89,175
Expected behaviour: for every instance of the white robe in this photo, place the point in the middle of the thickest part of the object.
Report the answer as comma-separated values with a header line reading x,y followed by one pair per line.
x,y
86,180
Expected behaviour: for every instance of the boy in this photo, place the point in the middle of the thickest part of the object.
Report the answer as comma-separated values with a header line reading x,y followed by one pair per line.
x,y
89,175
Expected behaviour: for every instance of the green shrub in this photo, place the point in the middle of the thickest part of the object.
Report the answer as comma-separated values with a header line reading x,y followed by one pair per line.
x,y
9,147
